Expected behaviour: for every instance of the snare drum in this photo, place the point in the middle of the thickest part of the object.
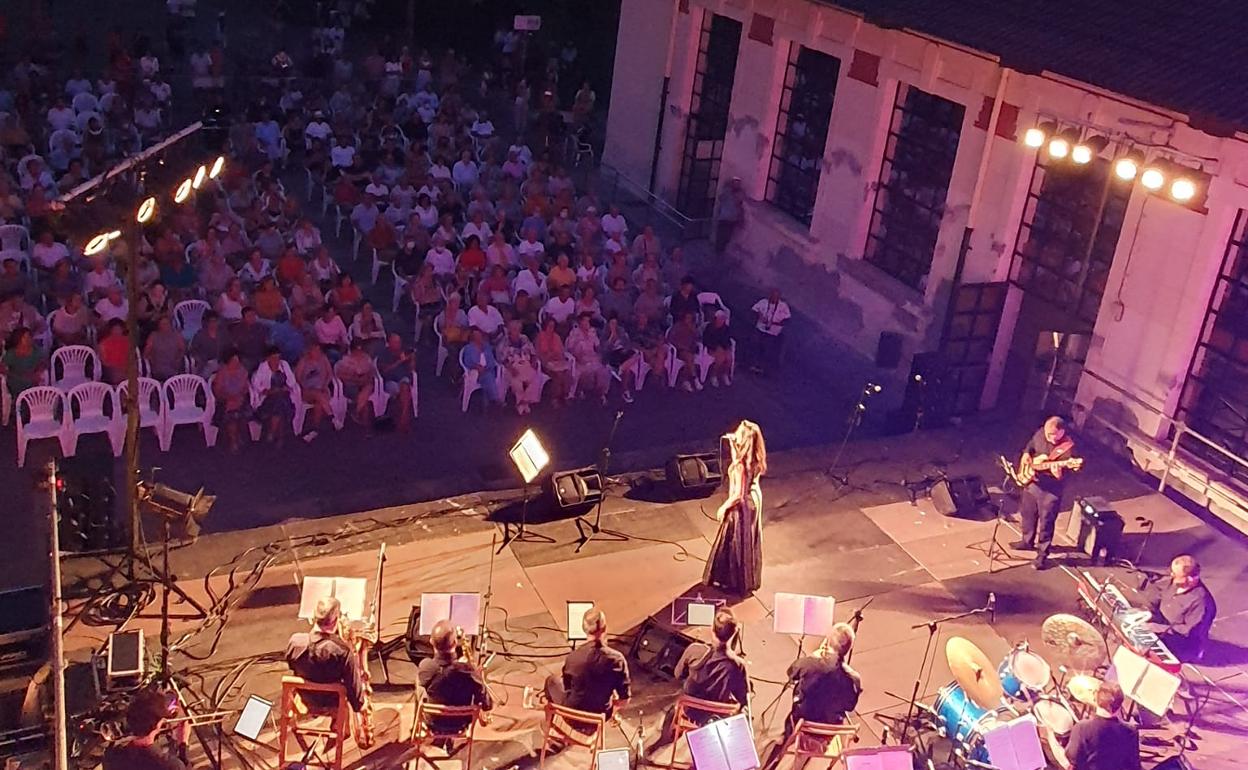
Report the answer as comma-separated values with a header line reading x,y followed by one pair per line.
x,y
1024,674
1054,715
964,722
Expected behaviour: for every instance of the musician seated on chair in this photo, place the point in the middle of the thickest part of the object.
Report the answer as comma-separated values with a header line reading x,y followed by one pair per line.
x,y
324,657
449,678
1183,610
825,688
710,673
145,720
595,676
1102,741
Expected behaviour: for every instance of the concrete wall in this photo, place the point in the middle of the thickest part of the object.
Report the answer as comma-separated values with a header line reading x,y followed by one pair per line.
x,y
1167,256
641,62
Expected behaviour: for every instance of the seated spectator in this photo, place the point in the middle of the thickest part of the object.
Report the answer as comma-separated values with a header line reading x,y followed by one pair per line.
x,y
98,280
367,326
268,300
617,350
674,268
313,373
365,214
324,269
164,350
525,310
16,312
454,324
331,333
500,253
114,351
485,317
346,297
646,246
292,335
112,307
496,287
650,303
478,227
446,229
518,360
231,303
465,172
384,239
685,300
307,237
290,268
618,301
269,243
23,364
683,336
648,270
377,188
588,303
425,211
562,308
441,260
47,252
397,365
250,338
560,275
478,356
154,302
71,323
717,340
531,247
342,154
550,352
592,377
613,222
471,261
179,277
232,390
255,270
13,279
530,280
648,339
275,410
403,194
358,374
208,345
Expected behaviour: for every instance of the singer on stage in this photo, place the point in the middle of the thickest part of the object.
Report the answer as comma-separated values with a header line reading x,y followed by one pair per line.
x,y
736,561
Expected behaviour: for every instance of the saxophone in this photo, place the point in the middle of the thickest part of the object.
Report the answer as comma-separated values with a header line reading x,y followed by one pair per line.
x,y
361,637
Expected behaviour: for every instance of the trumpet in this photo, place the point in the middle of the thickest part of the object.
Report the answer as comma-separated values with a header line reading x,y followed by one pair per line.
x,y
198,720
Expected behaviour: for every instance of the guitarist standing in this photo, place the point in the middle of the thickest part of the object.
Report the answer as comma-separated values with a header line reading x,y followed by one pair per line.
x,y
1042,498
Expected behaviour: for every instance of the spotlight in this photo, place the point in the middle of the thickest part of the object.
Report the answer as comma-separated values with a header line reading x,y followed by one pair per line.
x,y
218,166
1126,168
200,174
1034,138
1152,178
1058,147
146,210
176,505
1089,148
100,242
1183,190
183,192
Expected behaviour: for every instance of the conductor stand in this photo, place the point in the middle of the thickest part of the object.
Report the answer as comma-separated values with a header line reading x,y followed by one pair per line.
x,y
530,459
855,419
587,530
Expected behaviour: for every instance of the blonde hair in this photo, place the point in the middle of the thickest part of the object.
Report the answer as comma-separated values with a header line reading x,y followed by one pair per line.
x,y
748,447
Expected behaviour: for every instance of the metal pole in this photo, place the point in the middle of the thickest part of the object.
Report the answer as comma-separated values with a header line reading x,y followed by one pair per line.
x,y
134,239
1179,429
59,729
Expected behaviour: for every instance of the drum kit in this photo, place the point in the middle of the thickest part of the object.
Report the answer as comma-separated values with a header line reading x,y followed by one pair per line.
x,y
983,696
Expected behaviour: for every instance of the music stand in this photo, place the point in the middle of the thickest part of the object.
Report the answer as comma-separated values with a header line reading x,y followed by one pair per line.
x,y
530,459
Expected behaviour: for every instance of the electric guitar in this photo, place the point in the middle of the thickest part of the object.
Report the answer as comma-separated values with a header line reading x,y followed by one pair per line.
x,y
1030,467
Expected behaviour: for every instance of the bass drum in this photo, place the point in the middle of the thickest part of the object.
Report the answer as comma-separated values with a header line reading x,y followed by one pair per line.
x,y
964,722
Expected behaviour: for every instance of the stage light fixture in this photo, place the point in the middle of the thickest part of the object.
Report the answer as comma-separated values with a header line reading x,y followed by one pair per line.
x,y
183,192
1152,178
200,175
147,209
1083,152
176,505
100,242
1058,147
218,166
1034,138
1127,167
529,456
1183,189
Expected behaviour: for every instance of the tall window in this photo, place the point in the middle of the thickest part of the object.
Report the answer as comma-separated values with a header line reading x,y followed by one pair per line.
x,y
1064,249
914,181
708,114
801,131
1215,397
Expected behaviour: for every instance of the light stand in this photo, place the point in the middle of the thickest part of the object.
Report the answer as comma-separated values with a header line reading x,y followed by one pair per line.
x,y
587,531
855,419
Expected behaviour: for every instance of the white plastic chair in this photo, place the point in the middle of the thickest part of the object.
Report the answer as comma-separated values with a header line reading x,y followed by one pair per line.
x,y
400,286
377,263
471,381
73,365
22,258
181,394
151,406
14,238
703,360
85,102
92,407
381,399
188,316
443,351
338,403
41,413
711,298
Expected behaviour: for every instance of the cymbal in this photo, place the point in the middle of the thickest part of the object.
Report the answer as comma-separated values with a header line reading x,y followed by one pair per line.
x,y
972,669
1083,688
1073,642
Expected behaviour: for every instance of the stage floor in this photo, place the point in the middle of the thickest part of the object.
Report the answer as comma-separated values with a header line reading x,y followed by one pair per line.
x,y
865,545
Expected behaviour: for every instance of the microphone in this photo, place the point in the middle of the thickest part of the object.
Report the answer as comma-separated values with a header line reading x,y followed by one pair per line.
x,y
992,606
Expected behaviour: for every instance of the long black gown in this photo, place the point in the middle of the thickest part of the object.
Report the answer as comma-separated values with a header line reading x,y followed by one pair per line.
x,y
736,560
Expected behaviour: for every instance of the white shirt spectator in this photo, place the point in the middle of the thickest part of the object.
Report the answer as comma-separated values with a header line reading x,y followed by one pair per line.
x,y
161,90
307,239
364,217
534,249
514,169
438,170
771,316
614,246
465,173
523,151
614,223
341,155
378,331
403,195
108,310
323,272
441,260
428,215
500,254
529,282
560,308
430,189
482,128
61,118
489,320
147,118
252,276
47,256
398,215
330,332
99,282
229,309
317,129
377,190
482,231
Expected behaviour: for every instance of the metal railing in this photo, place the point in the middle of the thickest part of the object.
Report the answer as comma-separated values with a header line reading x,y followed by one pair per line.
x,y
618,188
1178,430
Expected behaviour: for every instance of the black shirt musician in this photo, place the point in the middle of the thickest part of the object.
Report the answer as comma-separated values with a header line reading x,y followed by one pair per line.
x,y
324,657
145,719
1183,610
595,676
448,679
1102,741
1042,498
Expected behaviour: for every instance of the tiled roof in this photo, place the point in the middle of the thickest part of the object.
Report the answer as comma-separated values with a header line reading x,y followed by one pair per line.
x,y
1190,56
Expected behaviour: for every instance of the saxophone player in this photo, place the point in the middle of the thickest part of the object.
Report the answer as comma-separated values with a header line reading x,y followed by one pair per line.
x,y
449,678
323,656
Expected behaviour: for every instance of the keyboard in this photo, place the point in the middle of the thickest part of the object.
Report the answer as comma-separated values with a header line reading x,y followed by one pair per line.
x,y
1107,601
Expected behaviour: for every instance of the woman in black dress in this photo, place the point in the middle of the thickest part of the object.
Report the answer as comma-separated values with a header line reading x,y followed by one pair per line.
x,y
736,561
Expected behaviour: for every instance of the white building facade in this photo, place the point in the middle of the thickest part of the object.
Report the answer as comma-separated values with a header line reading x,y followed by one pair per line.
x,y
884,167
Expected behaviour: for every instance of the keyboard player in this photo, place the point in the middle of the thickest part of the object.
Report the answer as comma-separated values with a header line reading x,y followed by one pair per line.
x,y
1183,610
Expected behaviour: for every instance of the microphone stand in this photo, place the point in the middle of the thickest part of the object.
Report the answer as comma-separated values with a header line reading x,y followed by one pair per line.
x,y
855,419
854,621
931,626
586,530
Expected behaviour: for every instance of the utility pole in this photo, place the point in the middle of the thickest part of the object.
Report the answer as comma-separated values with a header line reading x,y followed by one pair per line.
x,y
59,727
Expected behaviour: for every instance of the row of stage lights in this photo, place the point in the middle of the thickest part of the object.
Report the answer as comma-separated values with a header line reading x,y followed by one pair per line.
x,y
1179,182
147,209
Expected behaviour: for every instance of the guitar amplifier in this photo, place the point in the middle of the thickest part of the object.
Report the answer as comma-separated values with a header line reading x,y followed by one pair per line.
x,y
1095,528
959,495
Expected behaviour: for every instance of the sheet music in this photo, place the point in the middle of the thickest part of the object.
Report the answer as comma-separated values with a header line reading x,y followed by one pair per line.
x,y
350,593
727,744
701,614
1143,682
880,758
803,615
1015,745
463,610
576,619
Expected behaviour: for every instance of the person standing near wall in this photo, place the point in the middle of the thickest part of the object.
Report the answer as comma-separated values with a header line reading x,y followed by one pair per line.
x,y
729,213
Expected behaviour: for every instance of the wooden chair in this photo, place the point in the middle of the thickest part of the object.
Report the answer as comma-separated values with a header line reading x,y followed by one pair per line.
x,y
424,735
569,726
293,710
818,740
682,722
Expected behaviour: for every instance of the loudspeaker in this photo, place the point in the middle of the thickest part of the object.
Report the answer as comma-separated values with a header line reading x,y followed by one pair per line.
x,y
960,495
658,649
24,626
580,488
1177,762
694,473
86,504
888,350
1095,528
